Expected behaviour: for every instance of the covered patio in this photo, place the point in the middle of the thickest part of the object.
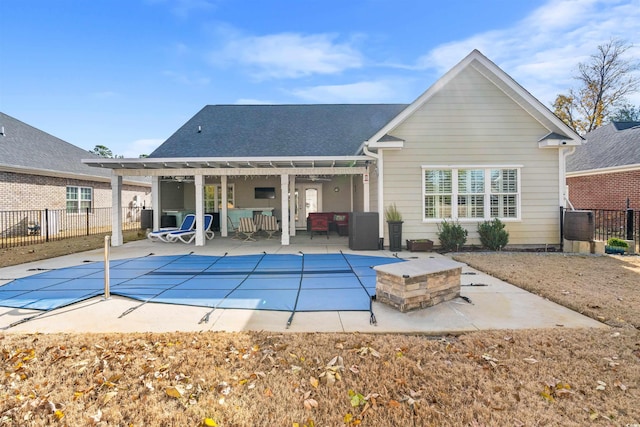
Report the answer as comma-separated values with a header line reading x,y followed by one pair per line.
x,y
345,178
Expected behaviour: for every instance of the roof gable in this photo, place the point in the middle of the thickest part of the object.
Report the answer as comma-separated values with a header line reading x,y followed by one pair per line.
x,y
499,78
616,144
277,130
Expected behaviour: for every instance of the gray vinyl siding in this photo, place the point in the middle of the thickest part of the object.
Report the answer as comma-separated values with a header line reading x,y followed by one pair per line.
x,y
472,122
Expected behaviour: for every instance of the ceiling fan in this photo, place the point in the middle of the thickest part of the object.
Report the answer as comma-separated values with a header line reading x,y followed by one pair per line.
x,y
316,178
178,178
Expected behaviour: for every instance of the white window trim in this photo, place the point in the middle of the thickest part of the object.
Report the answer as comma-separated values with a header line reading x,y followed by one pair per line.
x,y
487,192
80,210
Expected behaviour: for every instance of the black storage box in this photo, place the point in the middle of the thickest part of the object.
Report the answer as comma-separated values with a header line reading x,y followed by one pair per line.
x,y
363,231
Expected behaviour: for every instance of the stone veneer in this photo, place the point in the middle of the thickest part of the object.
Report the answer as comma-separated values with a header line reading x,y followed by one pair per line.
x,y
412,285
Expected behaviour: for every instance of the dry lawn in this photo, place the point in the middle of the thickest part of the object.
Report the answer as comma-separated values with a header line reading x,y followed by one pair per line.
x,y
533,378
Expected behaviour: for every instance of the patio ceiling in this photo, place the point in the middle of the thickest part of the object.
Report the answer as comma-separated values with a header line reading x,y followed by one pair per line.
x,y
344,165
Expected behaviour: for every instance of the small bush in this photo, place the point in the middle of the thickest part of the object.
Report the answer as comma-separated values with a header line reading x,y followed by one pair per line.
x,y
618,243
493,236
452,236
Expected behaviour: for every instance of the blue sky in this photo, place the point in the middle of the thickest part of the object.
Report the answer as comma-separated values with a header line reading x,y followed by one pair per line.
x,y
129,73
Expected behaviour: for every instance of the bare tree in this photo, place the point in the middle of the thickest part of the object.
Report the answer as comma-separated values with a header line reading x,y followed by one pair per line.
x,y
605,80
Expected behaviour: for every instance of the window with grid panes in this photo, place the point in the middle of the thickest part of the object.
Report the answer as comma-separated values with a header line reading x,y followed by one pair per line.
x,y
79,199
471,193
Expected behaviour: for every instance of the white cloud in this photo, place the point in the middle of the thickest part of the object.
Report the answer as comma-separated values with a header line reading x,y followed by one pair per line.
x,y
361,92
542,51
252,101
141,146
288,55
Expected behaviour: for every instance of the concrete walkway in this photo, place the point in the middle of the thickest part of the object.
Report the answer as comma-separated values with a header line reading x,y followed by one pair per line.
x,y
494,304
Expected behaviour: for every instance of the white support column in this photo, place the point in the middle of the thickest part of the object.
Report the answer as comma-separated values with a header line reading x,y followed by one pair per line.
x,y
292,205
116,210
284,188
199,182
224,229
366,195
155,202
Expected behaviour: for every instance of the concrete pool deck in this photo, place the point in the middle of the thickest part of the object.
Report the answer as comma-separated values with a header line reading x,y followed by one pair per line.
x,y
494,304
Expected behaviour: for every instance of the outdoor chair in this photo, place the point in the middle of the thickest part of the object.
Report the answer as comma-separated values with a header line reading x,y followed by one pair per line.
x,y
270,225
319,224
33,229
248,228
188,236
233,229
187,224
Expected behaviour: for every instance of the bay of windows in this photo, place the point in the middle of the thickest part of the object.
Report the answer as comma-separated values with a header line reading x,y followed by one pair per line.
x,y
471,193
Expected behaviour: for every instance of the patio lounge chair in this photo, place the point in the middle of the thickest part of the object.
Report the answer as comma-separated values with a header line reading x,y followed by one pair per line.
x,y
270,225
233,229
187,224
248,228
188,236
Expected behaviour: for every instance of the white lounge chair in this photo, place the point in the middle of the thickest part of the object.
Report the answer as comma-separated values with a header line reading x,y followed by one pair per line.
x,y
188,236
161,235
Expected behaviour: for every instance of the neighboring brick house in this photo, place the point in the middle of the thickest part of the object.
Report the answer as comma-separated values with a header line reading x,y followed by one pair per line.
x,y
604,172
39,171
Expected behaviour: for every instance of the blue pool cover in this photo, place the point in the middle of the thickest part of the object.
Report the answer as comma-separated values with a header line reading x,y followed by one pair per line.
x,y
304,282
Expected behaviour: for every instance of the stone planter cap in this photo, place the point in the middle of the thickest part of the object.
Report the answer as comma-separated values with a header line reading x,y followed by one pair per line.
x,y
418,267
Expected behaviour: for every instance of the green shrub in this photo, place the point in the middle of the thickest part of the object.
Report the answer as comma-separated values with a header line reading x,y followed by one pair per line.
x,y
493,236
618,243
452,236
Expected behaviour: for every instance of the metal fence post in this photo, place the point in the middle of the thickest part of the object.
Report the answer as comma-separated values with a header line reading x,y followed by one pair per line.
x,y
46,224
629,224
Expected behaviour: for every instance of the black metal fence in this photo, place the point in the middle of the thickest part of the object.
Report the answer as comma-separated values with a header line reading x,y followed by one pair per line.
x,y
623,224
28,227
614,223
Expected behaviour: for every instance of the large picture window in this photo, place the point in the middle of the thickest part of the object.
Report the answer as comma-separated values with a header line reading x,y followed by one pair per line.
x,y
471,193
79,199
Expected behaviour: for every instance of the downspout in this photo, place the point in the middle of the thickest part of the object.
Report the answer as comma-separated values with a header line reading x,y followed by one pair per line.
x,y
379,165
563,153
564,197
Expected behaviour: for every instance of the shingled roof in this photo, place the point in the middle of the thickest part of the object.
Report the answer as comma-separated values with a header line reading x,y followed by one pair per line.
x,y
23,147
277,130
613,145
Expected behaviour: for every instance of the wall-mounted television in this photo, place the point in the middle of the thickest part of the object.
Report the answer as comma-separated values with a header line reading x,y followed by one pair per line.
x,y
265,193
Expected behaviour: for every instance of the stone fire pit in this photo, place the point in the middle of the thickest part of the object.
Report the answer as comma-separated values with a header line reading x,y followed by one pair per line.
x,y
412,285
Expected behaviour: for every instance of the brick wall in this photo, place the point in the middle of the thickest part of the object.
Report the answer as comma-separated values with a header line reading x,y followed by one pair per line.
x,y
605,191
26,192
